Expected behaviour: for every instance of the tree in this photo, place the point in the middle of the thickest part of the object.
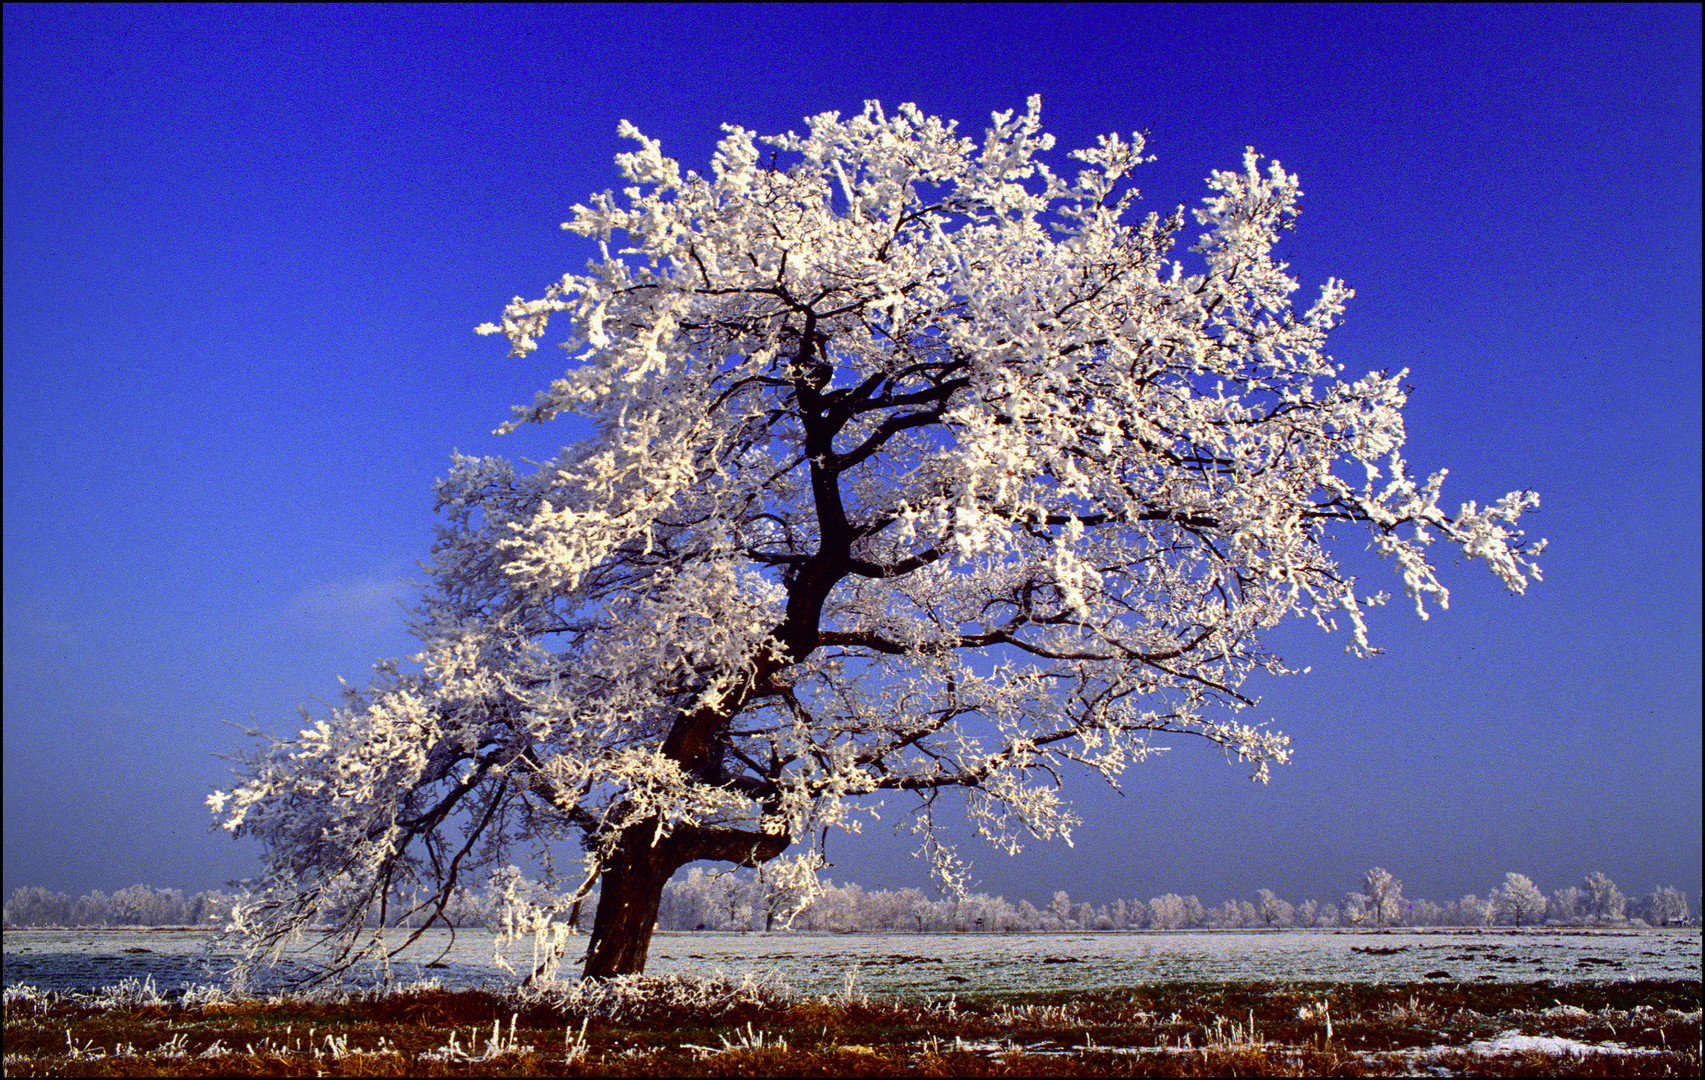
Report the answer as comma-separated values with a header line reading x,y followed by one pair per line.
x,y
91,909
1357,908
1121,914
1473,911
919,470
35,906
1060,907
1385,895
1667,906
1518,898
1194,913
1426,913
1087,916
1603,901
1274,911
1167,912
1307,912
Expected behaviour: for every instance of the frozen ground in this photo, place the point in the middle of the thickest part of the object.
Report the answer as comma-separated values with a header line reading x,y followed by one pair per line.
x,y
909,964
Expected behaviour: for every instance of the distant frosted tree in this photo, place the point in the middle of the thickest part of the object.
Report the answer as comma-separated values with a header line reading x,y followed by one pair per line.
x,y
1274,911
1307,913
1603,901
1385,896
131,906
1121,914
1086,916
1565,905
1519,900
1028,917
1138,916
912,910
1166,912
212,907
1194,913
1668,906
1227,916
998,915
35,906
1358,909
1061,909
1266,904
1421,912
1472,911
92,909
920,470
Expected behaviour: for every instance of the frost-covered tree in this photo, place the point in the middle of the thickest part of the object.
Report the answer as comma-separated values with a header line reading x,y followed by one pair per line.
x,y
1473,911
1224,916
1086,917
92,909
920,469
1385,895
1194,913
1060,907
1274,911
1167,912
1358,909
1667,906
1307,912
1603,901
1426,913
1518,899
35,906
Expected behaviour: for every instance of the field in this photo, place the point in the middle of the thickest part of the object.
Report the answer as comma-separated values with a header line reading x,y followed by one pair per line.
x,y
684,1027
918,965
1491,1016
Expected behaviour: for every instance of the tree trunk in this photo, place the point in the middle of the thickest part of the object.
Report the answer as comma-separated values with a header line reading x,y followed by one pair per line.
x,y
633,886
627,905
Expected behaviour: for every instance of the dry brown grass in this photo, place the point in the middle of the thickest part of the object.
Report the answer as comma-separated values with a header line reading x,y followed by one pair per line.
x,y
685,1028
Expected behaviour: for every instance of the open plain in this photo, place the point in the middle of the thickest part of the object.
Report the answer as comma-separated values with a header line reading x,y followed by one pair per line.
x,y
892,1005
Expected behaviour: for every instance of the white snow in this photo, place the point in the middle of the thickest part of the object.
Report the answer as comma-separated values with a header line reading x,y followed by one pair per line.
x,y
1514,1042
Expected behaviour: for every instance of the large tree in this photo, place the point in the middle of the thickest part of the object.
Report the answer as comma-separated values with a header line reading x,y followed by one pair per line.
x,y
918,469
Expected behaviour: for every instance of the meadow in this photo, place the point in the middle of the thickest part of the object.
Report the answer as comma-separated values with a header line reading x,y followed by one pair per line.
x,y
680,1026
892,965
1536,1003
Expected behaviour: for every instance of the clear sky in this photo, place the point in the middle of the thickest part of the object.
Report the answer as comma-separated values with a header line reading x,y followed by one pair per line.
x,y
246,248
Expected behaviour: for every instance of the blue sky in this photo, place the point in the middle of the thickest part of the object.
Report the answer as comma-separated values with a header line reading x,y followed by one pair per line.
x,y
246,247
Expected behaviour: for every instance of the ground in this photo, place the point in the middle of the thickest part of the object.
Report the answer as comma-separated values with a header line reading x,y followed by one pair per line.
x,y
695,1027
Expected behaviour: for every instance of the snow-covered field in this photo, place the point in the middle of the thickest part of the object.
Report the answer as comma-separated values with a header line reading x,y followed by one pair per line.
x,y
907,964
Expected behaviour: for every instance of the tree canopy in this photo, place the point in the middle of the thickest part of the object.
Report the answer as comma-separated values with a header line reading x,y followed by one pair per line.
x,y
919,470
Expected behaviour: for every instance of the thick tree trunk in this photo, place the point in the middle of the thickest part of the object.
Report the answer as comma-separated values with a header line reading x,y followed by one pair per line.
x,y
627,905
634,880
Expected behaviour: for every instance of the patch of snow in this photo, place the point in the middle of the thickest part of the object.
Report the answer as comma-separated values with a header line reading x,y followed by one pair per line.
x,y
1514,1042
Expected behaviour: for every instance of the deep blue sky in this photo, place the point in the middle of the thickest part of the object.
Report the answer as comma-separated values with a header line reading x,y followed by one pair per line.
x,y
246,247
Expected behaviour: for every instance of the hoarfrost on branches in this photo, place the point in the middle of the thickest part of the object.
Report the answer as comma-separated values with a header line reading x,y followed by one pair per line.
x,y
920,469
1518,899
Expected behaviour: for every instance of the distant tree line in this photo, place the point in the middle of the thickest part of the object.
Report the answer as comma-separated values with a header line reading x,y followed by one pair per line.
x,y
138,905
701,900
